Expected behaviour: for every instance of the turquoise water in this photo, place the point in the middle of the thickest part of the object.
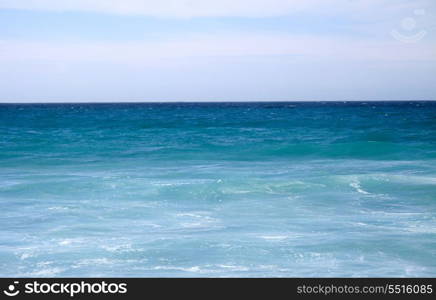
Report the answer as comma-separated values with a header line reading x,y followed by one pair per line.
x,y
224,189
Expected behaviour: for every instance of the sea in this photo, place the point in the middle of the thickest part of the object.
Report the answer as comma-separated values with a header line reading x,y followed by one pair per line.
x,y
249,189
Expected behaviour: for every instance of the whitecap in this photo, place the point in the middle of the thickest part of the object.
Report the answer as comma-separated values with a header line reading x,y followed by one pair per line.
x,y
66,242
26,256
274,237
194,269
118,248
47,272
94,261
233,267
58,208
356,185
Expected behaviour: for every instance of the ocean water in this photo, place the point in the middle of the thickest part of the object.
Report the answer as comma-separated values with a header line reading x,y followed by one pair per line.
x,y
218,189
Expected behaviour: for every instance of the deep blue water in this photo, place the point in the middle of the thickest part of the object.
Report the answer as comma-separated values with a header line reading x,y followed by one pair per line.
x,y
218,189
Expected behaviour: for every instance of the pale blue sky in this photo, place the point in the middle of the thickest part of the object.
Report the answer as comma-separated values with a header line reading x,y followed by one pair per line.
x,y
240,50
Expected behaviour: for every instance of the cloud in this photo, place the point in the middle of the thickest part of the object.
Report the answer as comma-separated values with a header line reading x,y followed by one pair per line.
x,y
207,8
308,48
355,57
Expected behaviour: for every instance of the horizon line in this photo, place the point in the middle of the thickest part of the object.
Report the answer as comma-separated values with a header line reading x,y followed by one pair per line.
x,y
210,101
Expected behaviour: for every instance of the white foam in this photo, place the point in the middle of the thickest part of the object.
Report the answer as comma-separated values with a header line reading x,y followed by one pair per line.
x,y
94,261
196,220
230,191
118,248
192,225
413,179
67,242
189,215
58,208
274,237
414,270
194,269
26,256
356,185
47,272
233,267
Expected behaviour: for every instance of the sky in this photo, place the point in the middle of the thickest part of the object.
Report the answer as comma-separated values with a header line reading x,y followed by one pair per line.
x,y
217,50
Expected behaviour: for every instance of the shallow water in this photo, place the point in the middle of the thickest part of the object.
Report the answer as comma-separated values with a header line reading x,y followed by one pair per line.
x,y
228,189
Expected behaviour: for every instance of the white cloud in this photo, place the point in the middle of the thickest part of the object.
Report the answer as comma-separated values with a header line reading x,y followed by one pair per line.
x,y
305,48
360,60
208,8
